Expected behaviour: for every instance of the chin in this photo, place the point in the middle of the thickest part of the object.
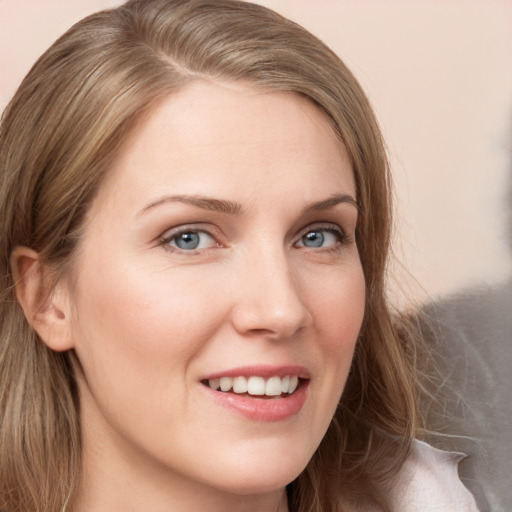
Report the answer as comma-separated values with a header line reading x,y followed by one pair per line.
x,y
245,485
266,471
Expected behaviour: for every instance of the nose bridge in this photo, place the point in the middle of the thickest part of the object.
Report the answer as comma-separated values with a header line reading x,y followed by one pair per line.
x,y
270,299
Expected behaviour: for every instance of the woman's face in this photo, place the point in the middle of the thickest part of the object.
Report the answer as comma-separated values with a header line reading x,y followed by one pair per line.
x,y
219,251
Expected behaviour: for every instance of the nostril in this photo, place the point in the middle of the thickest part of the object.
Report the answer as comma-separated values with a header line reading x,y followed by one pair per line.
x,y
264,319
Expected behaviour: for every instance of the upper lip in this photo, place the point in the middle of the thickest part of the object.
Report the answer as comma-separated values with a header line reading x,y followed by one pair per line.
x,y
265,371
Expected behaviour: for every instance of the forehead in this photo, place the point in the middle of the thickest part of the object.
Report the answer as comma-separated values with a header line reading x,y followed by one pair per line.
x,y
230,138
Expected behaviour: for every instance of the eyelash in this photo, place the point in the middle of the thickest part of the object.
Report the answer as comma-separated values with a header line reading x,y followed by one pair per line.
x,y
333,229
166,240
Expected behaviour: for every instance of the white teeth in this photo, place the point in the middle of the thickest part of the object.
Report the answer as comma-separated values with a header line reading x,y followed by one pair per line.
x,y
285,384
273,387
240,385
294,381
257,386
226,383
214,384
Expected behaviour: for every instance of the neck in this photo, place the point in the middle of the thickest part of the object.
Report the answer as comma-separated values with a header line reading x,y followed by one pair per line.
x,y
98,495
114,478
97,499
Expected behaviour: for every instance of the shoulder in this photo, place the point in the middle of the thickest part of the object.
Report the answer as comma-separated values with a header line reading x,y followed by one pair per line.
x,y
429,482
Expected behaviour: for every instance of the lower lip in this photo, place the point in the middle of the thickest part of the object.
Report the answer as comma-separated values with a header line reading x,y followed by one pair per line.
x,y
262,409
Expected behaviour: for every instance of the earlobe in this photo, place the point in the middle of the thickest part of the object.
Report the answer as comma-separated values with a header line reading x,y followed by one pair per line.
x,y
45,305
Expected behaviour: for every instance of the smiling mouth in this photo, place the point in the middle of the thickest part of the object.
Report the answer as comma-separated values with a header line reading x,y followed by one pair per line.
x,y
256,386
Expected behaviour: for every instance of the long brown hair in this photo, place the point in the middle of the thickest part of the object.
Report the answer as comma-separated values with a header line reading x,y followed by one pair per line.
x,y
63,128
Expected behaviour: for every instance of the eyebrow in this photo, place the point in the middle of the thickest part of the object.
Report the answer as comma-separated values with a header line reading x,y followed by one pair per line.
x,y
206,203
331,202
234,208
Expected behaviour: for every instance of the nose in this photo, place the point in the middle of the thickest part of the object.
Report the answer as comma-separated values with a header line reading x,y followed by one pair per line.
x,y
269,299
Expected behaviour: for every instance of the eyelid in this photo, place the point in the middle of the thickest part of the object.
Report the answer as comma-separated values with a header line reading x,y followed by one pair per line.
x,y
326,226
215,234
330,227
172,233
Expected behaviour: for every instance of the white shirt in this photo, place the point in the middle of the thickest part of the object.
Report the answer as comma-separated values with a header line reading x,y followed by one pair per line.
x,y
429,482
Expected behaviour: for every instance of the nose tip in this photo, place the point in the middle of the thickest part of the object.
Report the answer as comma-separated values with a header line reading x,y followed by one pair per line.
x,y
271,304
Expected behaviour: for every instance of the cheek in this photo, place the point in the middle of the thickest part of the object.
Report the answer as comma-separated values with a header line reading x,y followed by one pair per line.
x,y
339,310
152,318
339,316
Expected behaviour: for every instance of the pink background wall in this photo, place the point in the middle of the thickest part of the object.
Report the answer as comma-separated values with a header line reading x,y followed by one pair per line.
x,y
440,78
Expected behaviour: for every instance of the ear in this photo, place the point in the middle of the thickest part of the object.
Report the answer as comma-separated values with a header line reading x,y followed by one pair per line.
x,y
44,303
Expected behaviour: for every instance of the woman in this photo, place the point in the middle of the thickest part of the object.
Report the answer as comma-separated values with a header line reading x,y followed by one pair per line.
x,y
196,217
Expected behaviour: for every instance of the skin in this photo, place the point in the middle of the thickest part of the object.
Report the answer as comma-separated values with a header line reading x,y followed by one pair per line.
x,y
148,321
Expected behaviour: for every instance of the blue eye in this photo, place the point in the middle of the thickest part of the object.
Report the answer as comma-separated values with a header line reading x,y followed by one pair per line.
x,y
190,240
321,238
313,239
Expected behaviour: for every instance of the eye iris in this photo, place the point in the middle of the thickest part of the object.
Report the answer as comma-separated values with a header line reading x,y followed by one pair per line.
x,y
187,240
313,239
